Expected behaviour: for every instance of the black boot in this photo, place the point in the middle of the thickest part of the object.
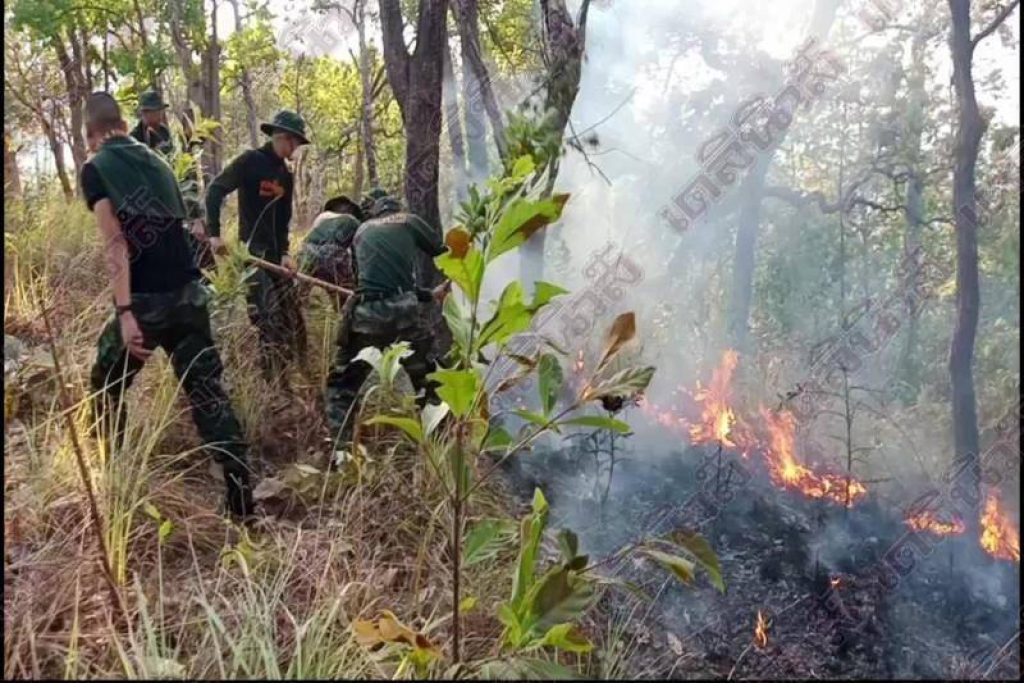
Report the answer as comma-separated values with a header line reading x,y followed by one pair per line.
x,y
239,493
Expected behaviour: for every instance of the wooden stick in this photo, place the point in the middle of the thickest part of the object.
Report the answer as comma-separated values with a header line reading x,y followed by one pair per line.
x,y
83,470
281,270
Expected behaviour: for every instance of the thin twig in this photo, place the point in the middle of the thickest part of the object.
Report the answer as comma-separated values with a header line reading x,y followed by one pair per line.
x,y
117,602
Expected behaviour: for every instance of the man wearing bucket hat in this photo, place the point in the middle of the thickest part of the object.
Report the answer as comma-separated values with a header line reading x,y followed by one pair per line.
x,y
152,130
326,252
265,188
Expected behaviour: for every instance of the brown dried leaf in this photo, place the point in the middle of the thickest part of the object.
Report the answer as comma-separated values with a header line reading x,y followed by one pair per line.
x,y
622,332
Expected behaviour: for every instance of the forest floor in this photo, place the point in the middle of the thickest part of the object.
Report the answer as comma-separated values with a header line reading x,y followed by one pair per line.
x,y
208,601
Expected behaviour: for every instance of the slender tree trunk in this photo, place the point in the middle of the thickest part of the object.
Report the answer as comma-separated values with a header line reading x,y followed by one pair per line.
x,y
454,126
477,90
71,68
246,80
12,176
913,211
750,213
369,151
564,46
968,300
58,158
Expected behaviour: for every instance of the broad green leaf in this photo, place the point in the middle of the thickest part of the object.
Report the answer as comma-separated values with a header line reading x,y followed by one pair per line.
x,y
458,322
523,167
568,543
511,316
706,557
486,539
550,382
530,532
559,596
679,566
391,361
566,637
599,422
534,418
497,439
544,292
408,425
467,272
457,388
521,219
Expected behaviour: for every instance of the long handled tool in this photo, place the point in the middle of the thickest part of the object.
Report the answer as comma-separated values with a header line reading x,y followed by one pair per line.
x,y
302,277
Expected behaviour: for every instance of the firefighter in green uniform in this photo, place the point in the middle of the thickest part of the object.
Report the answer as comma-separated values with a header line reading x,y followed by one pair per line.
x,y
385,308
152,130
157,297
265,189
326,254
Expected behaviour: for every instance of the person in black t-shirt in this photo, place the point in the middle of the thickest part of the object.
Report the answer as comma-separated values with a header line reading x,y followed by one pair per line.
x,y
265,188
152,129
157,298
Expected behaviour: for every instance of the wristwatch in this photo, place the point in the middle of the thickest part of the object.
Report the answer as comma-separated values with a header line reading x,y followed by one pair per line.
x,y
121,310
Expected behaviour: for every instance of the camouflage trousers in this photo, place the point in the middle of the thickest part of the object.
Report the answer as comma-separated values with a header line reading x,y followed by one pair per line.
x,y
275,310
379,324
179,323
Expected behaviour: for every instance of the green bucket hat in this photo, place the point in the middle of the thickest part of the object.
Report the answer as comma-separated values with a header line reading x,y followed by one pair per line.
x,y
371,197
344,204
151,100
289,122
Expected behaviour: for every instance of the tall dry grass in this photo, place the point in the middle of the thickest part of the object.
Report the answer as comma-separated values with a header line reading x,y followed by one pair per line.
x,y
205,599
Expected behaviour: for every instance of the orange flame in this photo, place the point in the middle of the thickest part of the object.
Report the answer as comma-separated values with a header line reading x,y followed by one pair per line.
x,y
928,521
761,631
787,472
998,536
717,418
834,582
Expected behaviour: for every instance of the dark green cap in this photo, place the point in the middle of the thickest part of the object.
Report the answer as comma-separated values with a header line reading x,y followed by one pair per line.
x,y
344,204
151,100
289,122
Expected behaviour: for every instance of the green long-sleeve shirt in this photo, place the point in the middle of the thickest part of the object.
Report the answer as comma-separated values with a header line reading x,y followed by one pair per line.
x,y
387,250
265,189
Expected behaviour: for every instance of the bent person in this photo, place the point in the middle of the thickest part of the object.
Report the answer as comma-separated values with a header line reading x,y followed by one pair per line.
x,y
385,308
157,298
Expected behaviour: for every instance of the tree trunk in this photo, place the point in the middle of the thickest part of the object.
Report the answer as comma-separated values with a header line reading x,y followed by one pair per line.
x,y
369,146
12,176
250,103
968,299
454,126
913,211
211,67
71,68
416,80
564,46
750,214
478,93
58,158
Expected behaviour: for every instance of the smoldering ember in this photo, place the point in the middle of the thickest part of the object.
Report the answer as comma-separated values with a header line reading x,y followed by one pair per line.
x,y
557,339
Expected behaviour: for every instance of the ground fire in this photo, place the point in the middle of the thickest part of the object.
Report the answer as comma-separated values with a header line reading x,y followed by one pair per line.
x,y
999,537
929,521
761,630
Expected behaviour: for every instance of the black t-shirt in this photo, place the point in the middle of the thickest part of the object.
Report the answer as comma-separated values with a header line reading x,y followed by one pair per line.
x,y
158,254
